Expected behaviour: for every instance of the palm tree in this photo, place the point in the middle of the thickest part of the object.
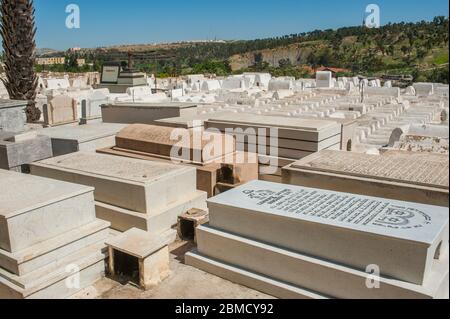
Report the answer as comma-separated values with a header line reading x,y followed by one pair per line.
x,y
18,31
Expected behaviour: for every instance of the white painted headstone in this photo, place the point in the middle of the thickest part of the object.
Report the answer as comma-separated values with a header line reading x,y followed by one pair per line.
x,y
402,238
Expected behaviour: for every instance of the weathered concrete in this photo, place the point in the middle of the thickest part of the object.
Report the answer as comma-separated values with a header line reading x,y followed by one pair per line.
x,y
16,152
312,274
141,186
44,253
12,115
34,209
151,251
89,138
414,177
144,113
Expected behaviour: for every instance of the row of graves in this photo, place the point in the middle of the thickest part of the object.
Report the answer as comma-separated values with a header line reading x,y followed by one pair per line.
x,y
263,172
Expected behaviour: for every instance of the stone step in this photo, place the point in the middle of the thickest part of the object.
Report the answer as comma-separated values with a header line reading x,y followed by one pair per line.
x,y
289,143
248,279
312,274
34,209
51,281
133,184
278,151
289,128
52,250
122,219
402,238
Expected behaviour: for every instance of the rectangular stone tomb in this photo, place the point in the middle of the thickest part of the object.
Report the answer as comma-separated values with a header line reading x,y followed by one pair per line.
x,y
287,128
141,186
90,137
12,115
34,209
192,145
51,281
17,150
243,167
403,239
145,113
47,252
414,177
290,271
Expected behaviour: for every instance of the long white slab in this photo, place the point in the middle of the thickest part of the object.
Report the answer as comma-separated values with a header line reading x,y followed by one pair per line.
x,y
123,219
133,184
313,274
52,250
49,282
249,279
287,128
34,209
402,238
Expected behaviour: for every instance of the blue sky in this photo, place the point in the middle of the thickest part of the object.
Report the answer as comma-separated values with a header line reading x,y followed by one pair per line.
x,y
109,22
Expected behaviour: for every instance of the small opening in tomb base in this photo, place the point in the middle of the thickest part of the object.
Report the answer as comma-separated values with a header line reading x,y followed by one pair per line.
x,y
126,268
187,229
349,146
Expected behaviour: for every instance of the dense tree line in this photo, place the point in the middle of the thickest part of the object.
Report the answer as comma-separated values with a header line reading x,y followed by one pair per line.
x,y
393,48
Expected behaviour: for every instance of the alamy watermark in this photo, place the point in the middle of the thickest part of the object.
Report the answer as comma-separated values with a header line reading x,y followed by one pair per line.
x,y
373,279
214,146
73,20
73,280
373,18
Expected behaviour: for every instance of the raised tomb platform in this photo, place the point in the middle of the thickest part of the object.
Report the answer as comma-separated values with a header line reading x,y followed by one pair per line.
x,y
19,146
48,233
297,242
145,113
18,150
414,177
217,165
278,139
88,138
130,193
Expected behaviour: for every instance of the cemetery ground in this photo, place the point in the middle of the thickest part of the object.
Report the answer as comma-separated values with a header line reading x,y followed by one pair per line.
x,y
185,282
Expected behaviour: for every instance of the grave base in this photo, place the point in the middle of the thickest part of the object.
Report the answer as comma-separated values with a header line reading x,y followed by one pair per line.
x,y
56,281
314,274
123,219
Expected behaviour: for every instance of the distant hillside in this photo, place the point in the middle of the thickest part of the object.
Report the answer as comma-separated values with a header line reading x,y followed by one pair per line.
x,y
421,49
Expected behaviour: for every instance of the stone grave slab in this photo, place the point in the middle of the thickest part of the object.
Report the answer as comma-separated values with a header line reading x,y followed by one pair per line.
x,y
402,238
140,186
415,177
160,140
34,209
313,274
60,110
244,165
49,282
89,137
44,253
190,121
23,149
158,223
250,279
288,128
12,115
145,113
